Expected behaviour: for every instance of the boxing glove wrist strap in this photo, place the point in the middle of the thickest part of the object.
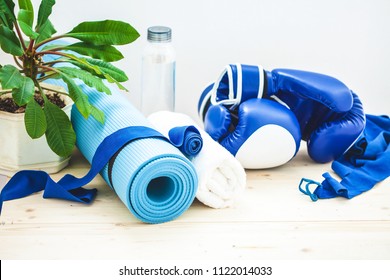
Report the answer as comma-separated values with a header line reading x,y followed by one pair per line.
x,y
237,83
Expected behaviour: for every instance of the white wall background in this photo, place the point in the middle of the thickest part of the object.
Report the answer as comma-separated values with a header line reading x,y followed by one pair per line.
x,y
349,40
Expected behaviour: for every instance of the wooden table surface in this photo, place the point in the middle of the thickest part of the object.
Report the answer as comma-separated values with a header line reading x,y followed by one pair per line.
x,y
272,220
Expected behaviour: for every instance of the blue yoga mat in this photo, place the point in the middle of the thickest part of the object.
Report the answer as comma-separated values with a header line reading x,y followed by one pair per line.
x,y
153,178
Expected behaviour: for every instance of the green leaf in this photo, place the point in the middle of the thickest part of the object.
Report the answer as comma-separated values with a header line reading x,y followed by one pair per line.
x,y
107,70
107,32
98,114
9,41
103,52
25,19
10,77
85,64
59,133
7,13
86,77
25,92
101,69
46,30
110,72
79,98
44,12
35,120
26,5
3,19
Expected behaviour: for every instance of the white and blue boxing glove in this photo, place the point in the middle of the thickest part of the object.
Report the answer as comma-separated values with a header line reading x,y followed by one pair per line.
x,y
330,115
260,133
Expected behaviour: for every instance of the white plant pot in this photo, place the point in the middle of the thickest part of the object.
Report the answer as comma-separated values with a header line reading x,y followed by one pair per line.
x,y
19,152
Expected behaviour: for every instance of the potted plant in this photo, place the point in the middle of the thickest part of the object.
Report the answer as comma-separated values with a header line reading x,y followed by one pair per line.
x,y
29,42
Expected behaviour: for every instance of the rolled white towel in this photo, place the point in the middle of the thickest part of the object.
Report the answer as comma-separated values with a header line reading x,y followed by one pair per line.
x,y
221,177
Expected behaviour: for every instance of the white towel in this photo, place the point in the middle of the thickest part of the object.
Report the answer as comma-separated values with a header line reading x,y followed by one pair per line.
x,y
221,177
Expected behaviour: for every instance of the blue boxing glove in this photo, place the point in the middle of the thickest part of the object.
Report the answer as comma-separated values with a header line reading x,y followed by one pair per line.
x,y
260,133
330,115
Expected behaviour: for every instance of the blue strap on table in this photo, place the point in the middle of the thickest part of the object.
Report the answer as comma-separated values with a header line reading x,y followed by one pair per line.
x,y
27,182
365,164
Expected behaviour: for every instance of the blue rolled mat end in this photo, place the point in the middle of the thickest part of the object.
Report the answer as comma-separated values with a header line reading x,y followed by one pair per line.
x,y
162,190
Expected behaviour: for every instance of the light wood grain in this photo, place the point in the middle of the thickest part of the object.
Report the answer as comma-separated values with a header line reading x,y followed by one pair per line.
x,y
272,220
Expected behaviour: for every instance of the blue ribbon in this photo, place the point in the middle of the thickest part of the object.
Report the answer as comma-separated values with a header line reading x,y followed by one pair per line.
x,y
365,164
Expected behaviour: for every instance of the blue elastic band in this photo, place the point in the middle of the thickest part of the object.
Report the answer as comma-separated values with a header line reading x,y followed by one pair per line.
x,y
307,191
364,165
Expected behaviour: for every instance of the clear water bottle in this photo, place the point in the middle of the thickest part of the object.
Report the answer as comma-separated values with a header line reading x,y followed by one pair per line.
x,y
158,71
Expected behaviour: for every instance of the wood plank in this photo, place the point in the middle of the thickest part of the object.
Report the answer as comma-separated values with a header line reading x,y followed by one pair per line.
x,y
179,240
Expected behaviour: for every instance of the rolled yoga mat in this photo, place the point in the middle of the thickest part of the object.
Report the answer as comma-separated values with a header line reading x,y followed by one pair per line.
x,y
222,178
151,176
